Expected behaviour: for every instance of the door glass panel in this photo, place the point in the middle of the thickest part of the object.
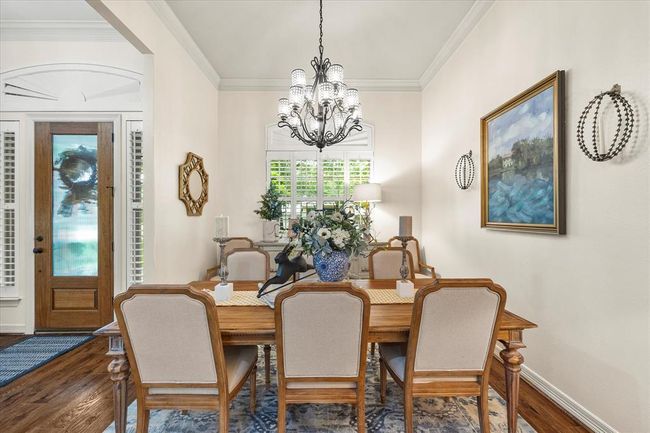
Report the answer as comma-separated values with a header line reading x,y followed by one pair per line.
x,y
74,205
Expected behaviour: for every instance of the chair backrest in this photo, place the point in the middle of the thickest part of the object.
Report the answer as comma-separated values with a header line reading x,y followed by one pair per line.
x,y
322,332
385,263
237,242
412,246
248,264
172,337
454,328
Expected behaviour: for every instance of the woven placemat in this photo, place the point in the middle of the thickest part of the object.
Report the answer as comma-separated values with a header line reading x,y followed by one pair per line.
x,y
248,298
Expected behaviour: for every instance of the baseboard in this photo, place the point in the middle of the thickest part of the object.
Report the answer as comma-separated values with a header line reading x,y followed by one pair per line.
x,y
562,400
11,328
569,405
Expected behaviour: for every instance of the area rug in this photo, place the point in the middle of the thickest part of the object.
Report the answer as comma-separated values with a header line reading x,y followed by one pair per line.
x,y
433,415
29,354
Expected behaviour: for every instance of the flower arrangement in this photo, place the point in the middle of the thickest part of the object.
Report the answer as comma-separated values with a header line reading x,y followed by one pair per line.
x,y
323,232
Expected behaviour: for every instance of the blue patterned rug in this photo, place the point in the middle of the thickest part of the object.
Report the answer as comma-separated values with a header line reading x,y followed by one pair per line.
x,y
431,415
29,354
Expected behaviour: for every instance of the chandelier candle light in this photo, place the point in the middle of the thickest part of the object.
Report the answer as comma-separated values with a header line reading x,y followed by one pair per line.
x,y
325,112
405,288
224,290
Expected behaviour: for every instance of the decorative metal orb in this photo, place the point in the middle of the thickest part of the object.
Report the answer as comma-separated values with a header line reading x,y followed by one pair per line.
x,y
465,171
625,115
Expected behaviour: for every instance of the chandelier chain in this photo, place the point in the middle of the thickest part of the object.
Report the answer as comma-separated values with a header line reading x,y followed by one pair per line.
x,y
320,26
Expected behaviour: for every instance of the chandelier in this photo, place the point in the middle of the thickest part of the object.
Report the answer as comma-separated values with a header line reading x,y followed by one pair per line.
x,y
325,112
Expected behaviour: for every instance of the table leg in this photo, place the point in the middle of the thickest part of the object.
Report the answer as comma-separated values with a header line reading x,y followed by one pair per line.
x,y
512,361
120,370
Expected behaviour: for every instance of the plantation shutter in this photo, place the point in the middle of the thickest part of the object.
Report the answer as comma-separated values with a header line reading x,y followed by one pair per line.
x,y
360,169
135,187
8,233
333,178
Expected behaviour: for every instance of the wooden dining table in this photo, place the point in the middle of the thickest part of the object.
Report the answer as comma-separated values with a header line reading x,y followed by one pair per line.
x,y
255,325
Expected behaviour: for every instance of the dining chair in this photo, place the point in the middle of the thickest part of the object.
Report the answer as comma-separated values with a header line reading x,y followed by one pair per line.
x,y
250,264
420,269
384,263
321,338
450,346
235,242
173,344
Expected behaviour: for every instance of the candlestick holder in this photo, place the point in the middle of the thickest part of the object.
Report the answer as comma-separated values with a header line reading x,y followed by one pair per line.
x,y
404,270
223,268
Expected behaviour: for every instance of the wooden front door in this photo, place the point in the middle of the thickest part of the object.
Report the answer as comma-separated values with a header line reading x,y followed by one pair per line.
x,y
73,225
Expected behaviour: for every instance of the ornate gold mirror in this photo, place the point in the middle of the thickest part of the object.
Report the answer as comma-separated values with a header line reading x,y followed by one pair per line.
x,y
193,184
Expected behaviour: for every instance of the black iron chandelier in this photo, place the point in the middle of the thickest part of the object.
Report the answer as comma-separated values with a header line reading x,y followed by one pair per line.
x,y
325,112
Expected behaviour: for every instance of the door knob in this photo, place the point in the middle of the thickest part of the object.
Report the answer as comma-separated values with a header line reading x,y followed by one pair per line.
x,y
37,250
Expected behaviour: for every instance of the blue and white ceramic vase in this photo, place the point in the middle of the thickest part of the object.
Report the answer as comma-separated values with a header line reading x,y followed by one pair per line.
x,y
333,266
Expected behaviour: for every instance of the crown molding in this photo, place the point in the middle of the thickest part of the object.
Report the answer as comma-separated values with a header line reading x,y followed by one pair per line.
x,y
173,24
282,84
43,30
466,25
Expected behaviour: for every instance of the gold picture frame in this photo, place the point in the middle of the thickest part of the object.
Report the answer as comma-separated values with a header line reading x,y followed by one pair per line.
x,y
194,195
522,161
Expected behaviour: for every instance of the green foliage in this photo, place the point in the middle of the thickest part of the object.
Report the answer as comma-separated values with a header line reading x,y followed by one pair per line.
x,y
271,205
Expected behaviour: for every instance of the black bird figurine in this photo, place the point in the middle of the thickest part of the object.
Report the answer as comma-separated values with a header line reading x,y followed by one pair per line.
x,y
287,268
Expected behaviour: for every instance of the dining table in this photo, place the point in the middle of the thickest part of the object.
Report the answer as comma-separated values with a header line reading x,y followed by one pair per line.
x,y
254,324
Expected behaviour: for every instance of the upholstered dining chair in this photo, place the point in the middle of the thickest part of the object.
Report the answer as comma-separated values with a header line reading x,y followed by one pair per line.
x,y
199,373
250,264
321,338
451,341
384,263
235,242
420,269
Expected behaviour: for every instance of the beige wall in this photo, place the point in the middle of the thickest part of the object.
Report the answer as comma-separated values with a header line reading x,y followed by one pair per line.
x,y
184,119
588,290
243,118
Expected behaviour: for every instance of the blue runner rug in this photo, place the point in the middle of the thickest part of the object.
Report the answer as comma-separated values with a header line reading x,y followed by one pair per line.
x,y
29,354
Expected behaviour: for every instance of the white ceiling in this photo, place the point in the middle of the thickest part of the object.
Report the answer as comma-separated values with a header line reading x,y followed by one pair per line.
x,y
47,10
373,40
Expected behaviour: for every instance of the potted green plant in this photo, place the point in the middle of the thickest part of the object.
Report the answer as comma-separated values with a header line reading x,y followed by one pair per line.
x,y
270,211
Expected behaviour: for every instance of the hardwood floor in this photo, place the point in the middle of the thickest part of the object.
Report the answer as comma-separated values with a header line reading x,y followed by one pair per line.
x,y
73,394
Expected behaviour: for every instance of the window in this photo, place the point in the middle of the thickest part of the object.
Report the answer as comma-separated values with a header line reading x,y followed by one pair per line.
x,y
310,180
8,209
135,203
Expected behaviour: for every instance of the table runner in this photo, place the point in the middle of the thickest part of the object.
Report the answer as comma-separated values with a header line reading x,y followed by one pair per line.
x,y
248,298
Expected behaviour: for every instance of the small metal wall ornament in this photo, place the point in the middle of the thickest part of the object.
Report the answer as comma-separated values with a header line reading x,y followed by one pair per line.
x,y
625,116
465,171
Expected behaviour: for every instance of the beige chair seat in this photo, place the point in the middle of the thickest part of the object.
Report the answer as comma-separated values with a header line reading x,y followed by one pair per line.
x,y
239,360
417,275
395,356
311,385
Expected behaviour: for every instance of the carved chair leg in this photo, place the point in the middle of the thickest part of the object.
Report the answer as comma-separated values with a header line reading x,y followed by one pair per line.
x,y
483,411
142,420
383,379
361,409
253,397
282,412
408,411
267,364
223,414
372,349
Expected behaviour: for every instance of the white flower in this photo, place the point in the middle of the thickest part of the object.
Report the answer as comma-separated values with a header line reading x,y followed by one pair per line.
x,y
324,233
339,243
311,215
340,234
336,216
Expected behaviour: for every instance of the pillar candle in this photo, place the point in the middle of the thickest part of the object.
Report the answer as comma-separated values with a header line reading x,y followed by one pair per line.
x,y
406,226
222,226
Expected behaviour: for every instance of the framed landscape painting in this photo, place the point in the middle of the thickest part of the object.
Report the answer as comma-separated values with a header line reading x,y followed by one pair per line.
x,y
522,161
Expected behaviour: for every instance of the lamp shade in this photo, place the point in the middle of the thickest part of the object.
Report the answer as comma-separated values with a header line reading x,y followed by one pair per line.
x,y
367,192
